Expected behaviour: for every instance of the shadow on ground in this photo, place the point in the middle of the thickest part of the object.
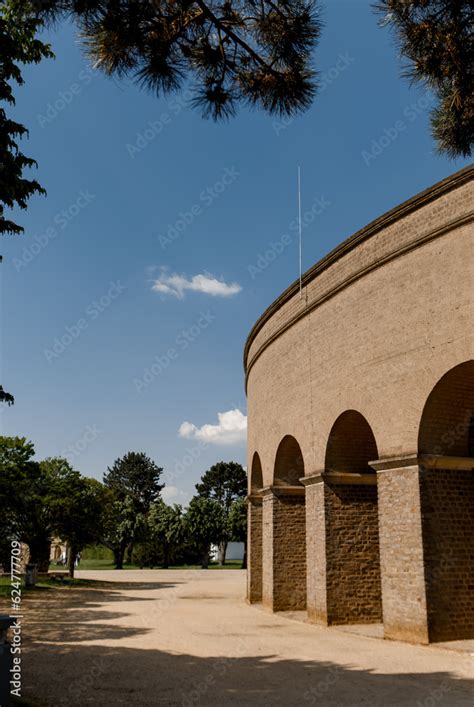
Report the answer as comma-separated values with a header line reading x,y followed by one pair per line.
x,y
102,676
58,669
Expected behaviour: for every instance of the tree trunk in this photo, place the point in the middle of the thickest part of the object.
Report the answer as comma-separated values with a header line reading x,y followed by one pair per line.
x,y
166,557
118,559
119,553
244,561
221,552
205,559
72,560
40,550
130,553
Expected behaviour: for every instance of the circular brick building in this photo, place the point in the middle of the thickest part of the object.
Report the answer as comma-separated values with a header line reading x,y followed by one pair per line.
x,y
360,442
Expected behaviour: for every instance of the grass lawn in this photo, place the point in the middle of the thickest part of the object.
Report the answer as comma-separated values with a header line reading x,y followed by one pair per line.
x,y
91,564
42,585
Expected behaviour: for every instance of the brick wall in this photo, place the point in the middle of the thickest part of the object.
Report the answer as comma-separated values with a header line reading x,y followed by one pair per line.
x,y
352,554
254,571
284,552
316,554
380,325
447,506
267,551
401,555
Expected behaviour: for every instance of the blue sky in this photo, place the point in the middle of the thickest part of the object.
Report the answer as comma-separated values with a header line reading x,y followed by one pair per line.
x,y
102,359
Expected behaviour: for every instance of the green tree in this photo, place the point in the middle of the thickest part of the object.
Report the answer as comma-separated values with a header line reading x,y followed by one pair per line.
x,y
232,51
4,396
166,526
20,481
27,489
435,40
238,525
225,483
137,477
77,507
121,524
18,46
206,525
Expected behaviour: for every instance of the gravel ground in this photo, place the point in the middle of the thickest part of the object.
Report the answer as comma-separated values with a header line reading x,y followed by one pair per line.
x,y
156,637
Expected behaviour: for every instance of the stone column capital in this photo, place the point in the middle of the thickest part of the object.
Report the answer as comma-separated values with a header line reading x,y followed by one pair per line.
x,y
276,490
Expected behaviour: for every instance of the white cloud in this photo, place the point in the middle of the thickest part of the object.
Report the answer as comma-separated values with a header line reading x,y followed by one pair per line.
x,y
172,494
176,285
232,429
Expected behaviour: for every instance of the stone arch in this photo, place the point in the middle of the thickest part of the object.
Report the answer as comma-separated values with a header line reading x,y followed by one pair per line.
x,y
255,530
351,445
289,463
284,531
447,504
446,426
354,593
256,474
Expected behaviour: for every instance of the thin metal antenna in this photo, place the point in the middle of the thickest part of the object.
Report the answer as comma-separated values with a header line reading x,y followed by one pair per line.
x,y
299,229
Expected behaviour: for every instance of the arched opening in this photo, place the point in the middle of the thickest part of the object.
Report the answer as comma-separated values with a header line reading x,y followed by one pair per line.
x,y
284,532
254,532
351,445
354,593
445,445
289,465
256,474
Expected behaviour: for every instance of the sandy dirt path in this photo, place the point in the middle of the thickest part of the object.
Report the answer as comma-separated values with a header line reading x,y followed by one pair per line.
x,y
188,638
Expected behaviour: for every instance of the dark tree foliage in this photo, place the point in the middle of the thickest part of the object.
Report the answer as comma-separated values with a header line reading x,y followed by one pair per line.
x,y
76,505
224,482
6,397
135,476
22,490
205,522
18,45
436,40
232,51
238,525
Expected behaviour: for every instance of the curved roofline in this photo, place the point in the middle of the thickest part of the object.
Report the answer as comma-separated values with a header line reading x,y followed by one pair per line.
x,y
415,202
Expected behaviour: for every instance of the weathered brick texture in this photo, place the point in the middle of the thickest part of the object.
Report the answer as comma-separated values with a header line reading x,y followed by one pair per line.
x,y
352,554
254,574
284,552
447,509
401,555
316,554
